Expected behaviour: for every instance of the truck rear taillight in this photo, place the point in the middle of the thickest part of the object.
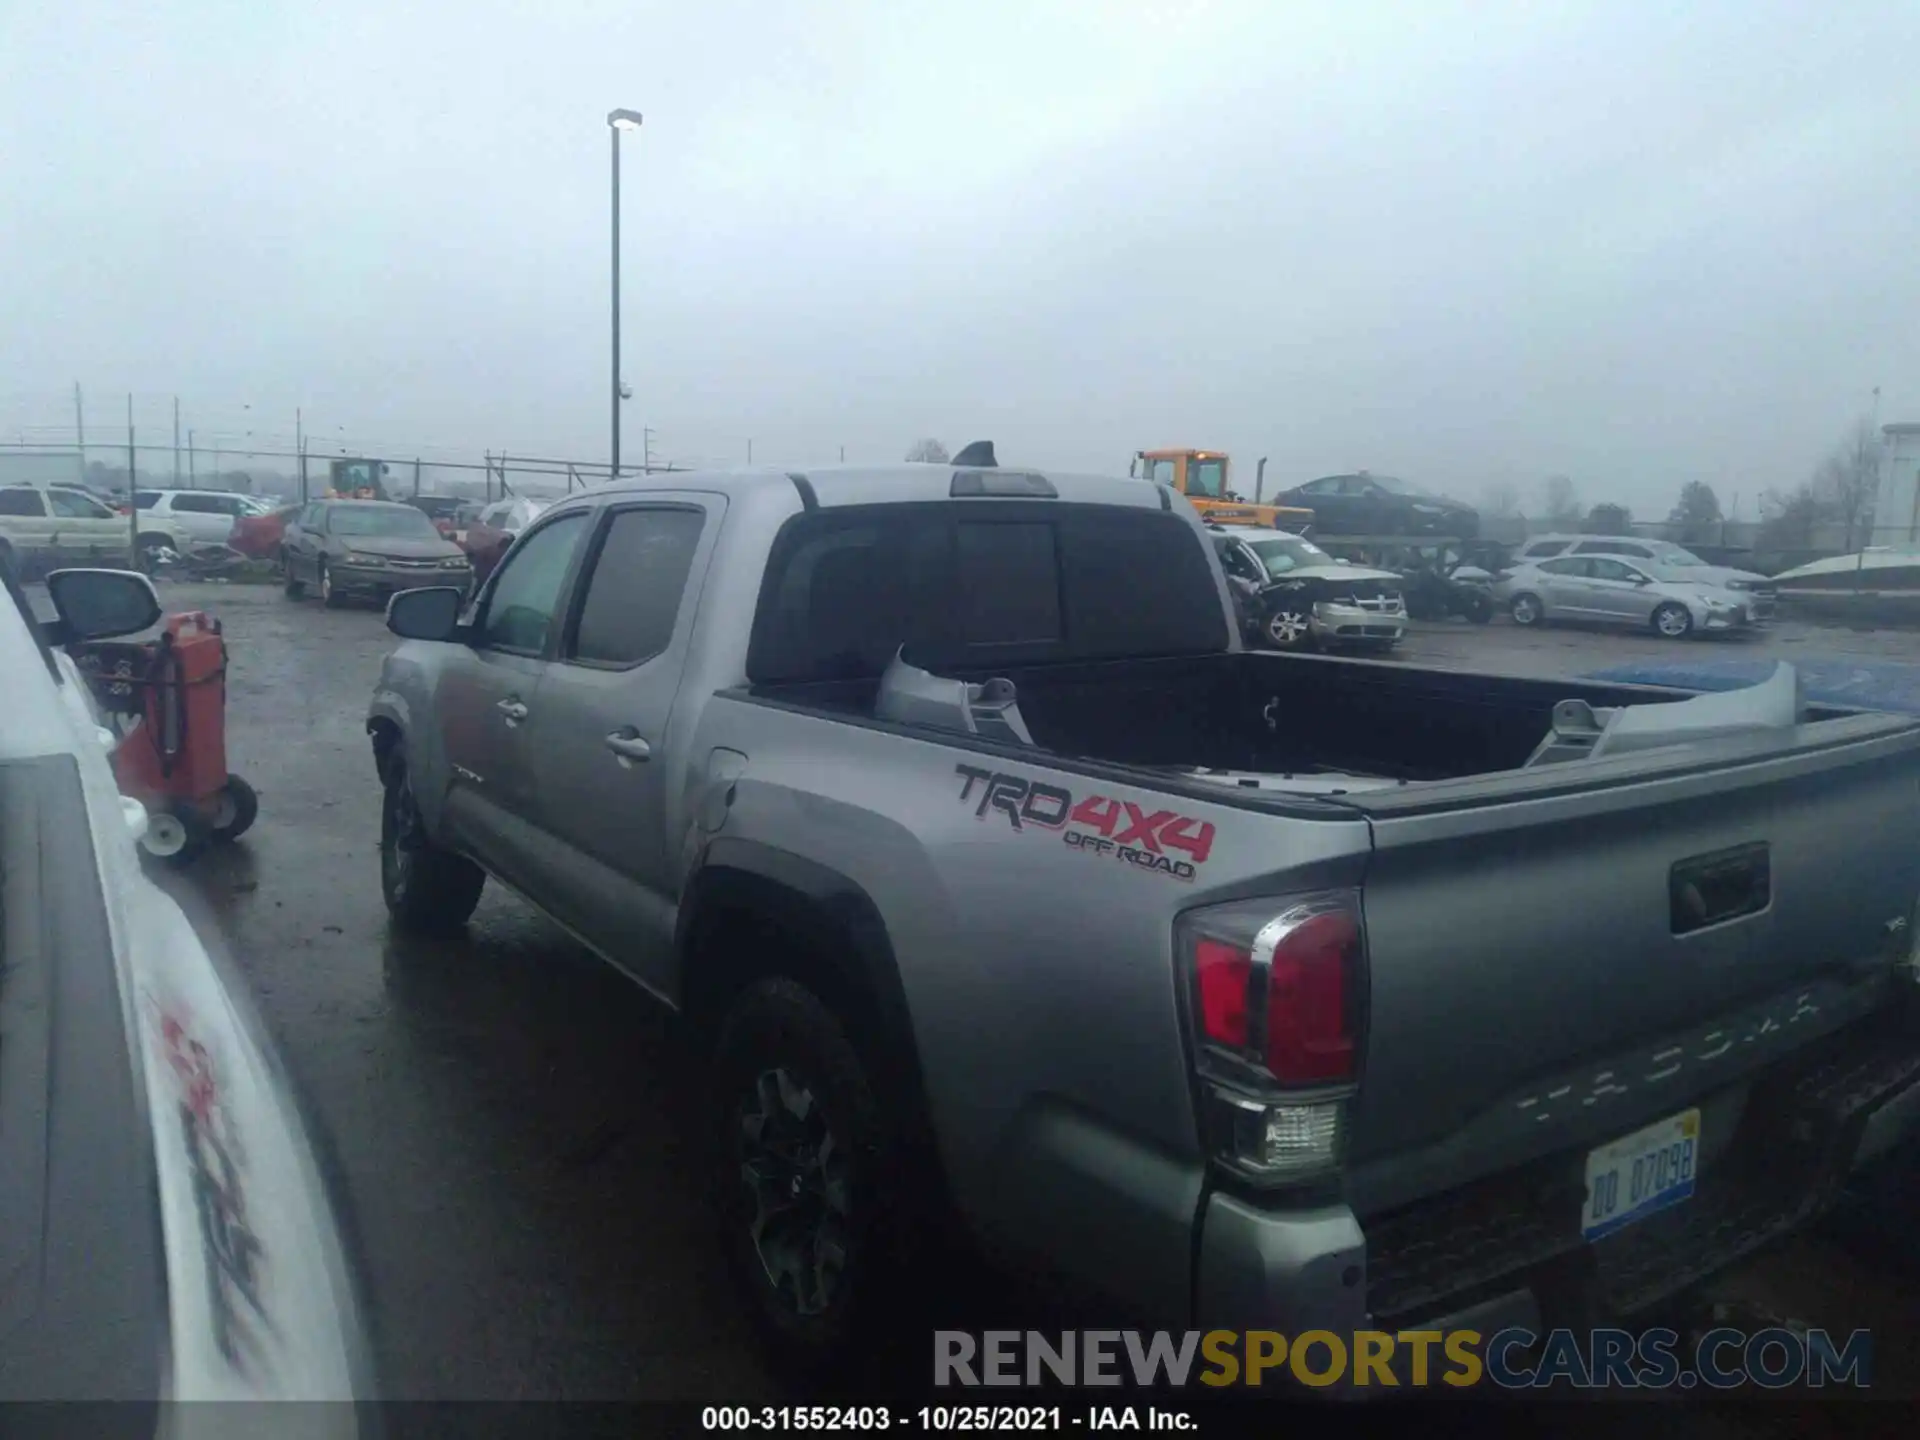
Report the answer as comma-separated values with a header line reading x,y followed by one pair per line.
x,y
1309,1032
1221,971
1278,991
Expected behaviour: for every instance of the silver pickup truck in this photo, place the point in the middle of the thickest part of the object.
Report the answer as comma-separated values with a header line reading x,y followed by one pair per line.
x,y
1248,989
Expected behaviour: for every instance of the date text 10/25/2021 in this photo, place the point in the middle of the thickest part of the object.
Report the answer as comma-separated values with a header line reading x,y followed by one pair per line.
x,y
945,1418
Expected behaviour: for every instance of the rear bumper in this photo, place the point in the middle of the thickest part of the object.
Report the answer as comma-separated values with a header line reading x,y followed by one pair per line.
x,y
1803,1127
1507,1250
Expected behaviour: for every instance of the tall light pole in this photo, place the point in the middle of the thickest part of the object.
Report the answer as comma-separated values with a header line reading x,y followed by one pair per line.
x,y
617,120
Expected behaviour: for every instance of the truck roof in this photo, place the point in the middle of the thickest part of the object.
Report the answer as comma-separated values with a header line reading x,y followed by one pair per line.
x,y
836,485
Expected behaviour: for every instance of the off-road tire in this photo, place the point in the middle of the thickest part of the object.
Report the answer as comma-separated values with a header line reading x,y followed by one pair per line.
x,y
778,1026
427,889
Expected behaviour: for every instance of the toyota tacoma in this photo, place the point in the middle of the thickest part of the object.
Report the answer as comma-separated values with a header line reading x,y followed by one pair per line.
x,y
1250,989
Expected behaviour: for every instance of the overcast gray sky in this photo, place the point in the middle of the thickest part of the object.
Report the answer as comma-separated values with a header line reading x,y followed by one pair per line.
x,y
1636,243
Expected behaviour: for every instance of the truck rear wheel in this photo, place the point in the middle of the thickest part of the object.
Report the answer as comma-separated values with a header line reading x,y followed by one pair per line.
x,y
799,1162
426,888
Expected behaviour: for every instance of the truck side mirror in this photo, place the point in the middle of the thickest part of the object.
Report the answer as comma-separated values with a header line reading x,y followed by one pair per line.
x,y
429,614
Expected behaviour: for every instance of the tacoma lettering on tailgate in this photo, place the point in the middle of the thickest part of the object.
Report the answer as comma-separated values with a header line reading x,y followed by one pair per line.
x,y
1096,825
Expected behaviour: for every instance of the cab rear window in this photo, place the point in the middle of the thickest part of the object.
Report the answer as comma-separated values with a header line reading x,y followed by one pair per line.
x,y
984,583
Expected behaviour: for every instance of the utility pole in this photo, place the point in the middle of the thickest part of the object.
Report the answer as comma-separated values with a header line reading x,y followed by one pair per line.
x,y
843,454
416,477
617,121
749,452
176,442
80,429
300,448
646,449
133,510
193,474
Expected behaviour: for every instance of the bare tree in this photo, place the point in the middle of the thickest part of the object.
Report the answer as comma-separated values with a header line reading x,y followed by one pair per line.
x,y
932,452
1787,518
1842,490
1500,498
1848,481
1561,500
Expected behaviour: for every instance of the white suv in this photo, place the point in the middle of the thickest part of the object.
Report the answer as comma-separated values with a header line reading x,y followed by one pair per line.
x,y
54,525
207,516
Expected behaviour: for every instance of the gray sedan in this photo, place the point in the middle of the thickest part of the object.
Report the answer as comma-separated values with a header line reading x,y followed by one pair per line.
x,y
1603,590
368,547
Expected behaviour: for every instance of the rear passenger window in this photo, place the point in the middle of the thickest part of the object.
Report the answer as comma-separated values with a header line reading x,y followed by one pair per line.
x,y
20,502
1009,584
638,581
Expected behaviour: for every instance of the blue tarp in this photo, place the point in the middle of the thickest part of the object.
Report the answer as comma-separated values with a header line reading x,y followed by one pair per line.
x,y
1861,684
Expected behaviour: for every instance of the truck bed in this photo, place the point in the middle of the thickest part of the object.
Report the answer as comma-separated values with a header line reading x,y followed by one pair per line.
x,y
1281,714
1543,906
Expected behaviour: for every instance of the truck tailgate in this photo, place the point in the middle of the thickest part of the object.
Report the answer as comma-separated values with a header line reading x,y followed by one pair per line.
x,y
1564,954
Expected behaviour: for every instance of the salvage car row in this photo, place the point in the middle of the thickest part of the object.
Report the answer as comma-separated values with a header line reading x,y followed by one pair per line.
x,y
1291,594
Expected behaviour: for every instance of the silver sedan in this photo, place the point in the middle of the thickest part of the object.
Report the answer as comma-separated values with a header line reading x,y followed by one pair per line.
x,y
1601,589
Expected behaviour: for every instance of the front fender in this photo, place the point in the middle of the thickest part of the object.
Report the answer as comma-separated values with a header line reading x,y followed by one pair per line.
x,y
401,711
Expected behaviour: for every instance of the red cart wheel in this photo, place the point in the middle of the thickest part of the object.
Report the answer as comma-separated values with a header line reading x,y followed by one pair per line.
x,y
174,836
233,810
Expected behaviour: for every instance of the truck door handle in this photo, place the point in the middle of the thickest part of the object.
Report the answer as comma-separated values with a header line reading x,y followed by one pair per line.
x,y
627,744
513,710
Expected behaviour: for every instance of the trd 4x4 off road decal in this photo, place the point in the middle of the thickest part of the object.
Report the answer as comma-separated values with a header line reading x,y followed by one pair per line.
x,y
1148,840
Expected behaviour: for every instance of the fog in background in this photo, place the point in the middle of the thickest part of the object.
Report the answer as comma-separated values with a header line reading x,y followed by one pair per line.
x,y
1636,244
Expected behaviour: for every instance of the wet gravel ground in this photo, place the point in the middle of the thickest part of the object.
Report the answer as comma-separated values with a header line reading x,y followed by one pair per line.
x,y
510,1117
